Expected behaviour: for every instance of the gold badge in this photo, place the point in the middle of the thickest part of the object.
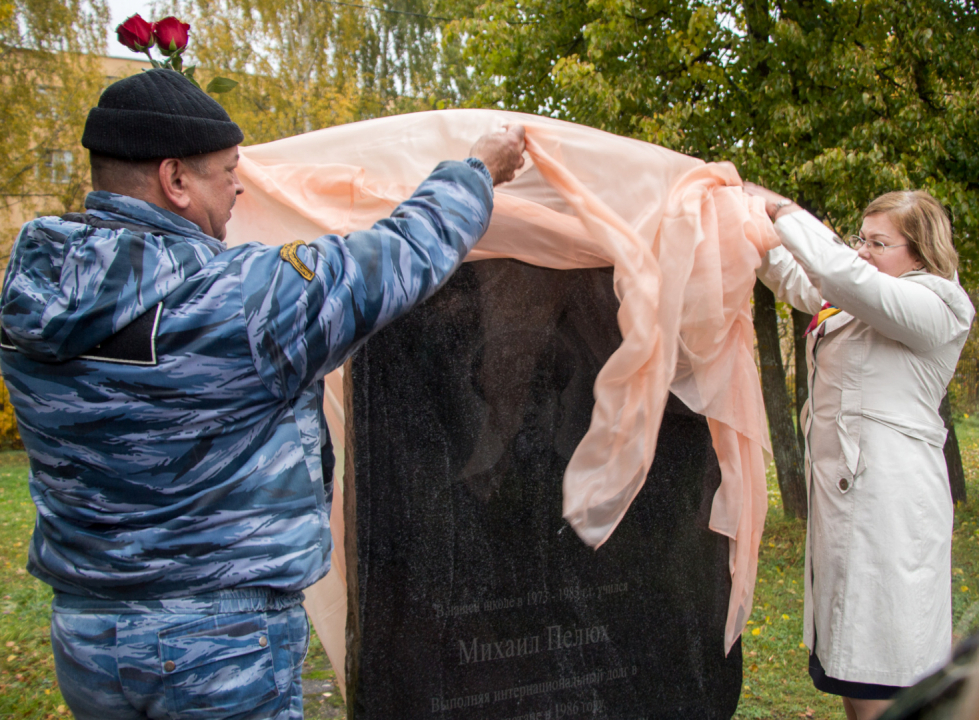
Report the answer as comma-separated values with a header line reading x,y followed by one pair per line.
x,y
288,253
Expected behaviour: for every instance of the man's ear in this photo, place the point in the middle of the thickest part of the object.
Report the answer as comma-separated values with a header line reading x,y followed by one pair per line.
x,y
175,182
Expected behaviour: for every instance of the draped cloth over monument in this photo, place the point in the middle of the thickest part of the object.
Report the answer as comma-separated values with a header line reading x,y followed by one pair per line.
x,y
684,243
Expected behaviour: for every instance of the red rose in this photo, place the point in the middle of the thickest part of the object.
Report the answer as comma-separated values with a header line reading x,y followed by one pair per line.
x,y
136,34
171,35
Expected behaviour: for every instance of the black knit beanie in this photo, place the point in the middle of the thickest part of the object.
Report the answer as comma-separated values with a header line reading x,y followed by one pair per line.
x,y
158,114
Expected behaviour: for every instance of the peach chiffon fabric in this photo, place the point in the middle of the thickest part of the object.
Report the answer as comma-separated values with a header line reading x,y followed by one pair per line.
x,y
684,243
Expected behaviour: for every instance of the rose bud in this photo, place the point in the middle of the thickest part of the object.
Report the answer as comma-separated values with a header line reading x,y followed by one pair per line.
x,y
171,35
136,34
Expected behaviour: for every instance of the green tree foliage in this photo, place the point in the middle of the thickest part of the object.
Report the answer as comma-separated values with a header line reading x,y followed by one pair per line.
x,y
48,82
407,62
832,103
294,61
307,64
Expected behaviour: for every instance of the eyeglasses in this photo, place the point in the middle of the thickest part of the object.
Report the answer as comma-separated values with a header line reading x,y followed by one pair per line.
x,y
876,247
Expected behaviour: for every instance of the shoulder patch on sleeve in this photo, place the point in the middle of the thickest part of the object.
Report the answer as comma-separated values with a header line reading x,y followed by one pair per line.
x,y
288,253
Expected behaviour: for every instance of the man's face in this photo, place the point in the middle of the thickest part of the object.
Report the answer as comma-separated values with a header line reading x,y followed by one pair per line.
x,y
213,187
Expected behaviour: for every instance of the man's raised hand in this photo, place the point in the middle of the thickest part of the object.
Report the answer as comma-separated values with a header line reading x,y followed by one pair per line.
x,y
501,153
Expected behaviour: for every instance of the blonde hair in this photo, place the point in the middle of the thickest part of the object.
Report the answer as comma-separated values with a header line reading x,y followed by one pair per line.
x,y
923,223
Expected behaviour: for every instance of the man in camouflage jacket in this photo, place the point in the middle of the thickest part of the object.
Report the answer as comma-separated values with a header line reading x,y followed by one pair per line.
x,y
169,393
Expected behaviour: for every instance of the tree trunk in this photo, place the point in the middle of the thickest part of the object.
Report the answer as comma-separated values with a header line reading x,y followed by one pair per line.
x,y
800,321
953,459
788,459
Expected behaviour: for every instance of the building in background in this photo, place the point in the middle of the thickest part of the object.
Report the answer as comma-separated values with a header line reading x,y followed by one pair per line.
x,y
47,170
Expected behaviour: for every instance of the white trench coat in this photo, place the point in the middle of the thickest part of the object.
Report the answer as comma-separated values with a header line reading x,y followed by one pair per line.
x,y
878,606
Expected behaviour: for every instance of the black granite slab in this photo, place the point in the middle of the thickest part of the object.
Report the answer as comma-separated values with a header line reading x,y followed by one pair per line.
x,y
470,596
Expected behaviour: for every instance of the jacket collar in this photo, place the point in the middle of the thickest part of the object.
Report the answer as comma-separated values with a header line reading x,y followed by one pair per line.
x,y
112,206
915,273
836,322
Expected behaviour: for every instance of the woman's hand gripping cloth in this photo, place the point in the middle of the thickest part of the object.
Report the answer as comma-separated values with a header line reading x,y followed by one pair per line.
x,y
684,243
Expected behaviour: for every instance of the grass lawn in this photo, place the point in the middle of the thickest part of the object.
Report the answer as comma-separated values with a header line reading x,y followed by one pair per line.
x,y
776,679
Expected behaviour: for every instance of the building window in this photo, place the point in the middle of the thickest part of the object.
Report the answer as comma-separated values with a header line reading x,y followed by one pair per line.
x,y
47,100
55,166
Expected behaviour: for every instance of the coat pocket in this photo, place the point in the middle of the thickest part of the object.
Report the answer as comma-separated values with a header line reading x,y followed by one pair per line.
x,y
852,463
848,419
217,666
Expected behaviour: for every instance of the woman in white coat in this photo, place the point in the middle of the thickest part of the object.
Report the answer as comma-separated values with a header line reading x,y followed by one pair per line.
x,y
891,320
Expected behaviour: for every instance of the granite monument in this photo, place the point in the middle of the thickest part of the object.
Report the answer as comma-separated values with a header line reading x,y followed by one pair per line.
x,y
469,595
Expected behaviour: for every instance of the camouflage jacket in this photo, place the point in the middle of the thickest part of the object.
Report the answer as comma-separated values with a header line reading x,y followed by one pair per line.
x,y
169,390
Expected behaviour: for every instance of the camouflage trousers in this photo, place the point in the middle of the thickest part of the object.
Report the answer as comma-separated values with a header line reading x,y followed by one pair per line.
x,y
233,654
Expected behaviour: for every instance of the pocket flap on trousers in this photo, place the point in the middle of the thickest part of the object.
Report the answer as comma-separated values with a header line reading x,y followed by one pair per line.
x,y
212,639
